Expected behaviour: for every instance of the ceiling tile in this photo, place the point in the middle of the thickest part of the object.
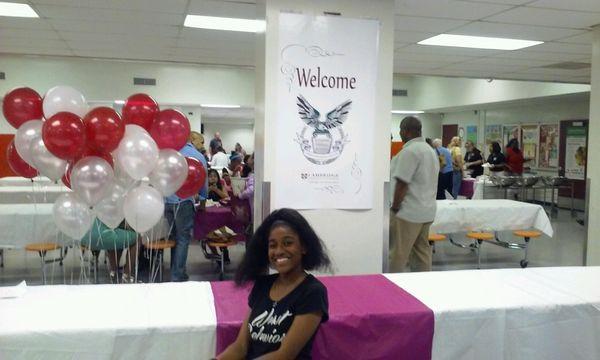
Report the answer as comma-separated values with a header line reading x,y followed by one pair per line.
x,y
451,9
412,56
540,33
582,49
493,61
101,27
36,50
547,17
31,42
425,24
585,38
222,9
504,2
529,54
448,50
29,34
400,61
578,5
403,37
24,23
170,6
110,15
497,68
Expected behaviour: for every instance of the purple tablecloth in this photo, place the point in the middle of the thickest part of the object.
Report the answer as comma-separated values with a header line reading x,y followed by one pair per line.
x,y
213,218
369,318
467,188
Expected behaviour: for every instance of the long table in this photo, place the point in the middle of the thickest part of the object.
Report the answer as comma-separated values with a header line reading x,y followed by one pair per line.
x,y
537,313
33,194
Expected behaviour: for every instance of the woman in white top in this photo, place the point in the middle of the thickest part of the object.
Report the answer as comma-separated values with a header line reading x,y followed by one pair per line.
x,y
219,160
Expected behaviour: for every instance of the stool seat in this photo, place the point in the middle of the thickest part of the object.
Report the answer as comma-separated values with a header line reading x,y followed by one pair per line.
x,y
222,244
42,247
528,233
480,235
160,245
437,237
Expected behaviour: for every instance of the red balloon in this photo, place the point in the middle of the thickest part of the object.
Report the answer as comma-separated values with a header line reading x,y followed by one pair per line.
x,y
18,165
104,129
93,152
195,179
170,129
64,135
66,179
21,105
140,109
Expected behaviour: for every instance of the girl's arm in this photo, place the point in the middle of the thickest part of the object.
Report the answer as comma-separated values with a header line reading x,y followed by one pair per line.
x,y
303,328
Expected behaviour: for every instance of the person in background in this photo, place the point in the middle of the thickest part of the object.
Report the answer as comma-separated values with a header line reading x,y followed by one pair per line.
x,y
514,158
235,165
295,301
246,169
496,159
197,140
216,192
446,170
114,242
473,160
180,215
215,144
219,159
227,181
203,152
457,165
238,149
248,193
413,208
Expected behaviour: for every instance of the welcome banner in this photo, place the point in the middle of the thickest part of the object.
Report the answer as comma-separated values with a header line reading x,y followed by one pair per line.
x,y
325,112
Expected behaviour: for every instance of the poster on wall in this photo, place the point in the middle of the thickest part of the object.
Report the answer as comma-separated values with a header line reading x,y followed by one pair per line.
x,y
576,152
531,137
472,134
548,154
326,78
510,132
493,133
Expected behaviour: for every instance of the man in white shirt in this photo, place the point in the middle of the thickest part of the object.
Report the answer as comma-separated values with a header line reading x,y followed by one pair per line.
x,y
414,180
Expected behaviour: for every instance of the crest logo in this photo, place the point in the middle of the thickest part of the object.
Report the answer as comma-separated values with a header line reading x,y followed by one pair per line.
x,y
322,140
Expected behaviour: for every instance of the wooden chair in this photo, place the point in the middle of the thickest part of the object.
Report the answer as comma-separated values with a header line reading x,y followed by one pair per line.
x,y
222,244
156,266
433,238
480,237
42,249
526,235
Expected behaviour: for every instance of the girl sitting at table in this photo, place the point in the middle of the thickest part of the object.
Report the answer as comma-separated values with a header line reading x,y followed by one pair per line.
x,y
216,192
226,180
286,308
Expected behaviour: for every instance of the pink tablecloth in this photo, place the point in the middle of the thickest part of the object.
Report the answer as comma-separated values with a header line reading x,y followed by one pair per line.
x,y
369,318
213,218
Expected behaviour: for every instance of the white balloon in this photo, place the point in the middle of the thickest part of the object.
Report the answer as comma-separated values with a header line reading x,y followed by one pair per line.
x,y
24,137
137,153
170,172
72,216
45,162
143,208
64,98
91,179
110,209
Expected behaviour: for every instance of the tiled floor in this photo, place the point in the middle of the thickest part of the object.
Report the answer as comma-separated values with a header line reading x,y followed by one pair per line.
x,y
564,249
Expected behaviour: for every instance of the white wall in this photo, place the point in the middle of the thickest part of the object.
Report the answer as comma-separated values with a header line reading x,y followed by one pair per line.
x,y
230,134
431,122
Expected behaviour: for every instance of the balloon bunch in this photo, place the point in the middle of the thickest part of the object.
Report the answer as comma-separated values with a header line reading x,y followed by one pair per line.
x,y
102,156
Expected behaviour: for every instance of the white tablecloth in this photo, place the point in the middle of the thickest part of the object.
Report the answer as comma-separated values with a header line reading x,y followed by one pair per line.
x,y
157,321
21,181
536,313
39,194
490,215
21,224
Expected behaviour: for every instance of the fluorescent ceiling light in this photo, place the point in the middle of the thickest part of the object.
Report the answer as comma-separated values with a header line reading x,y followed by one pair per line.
x,y
220,106
407,112
120,102
478,42
17,10
222,23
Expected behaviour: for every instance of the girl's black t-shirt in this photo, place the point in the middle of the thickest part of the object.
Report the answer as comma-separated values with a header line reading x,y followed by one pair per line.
x,y
473,156
496,159
270,320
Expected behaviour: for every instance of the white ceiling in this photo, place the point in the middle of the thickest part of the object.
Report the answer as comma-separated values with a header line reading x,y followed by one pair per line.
x,y
152,30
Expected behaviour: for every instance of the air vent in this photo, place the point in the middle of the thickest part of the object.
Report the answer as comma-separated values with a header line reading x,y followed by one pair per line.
x,y
2,76
568,65
399,92
144,81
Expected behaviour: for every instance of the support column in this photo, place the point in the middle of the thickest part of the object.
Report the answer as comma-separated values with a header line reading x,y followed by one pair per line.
x,y
593,160
354,238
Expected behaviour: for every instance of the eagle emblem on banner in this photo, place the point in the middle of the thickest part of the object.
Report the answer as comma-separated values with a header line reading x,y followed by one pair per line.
x,y
322,140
